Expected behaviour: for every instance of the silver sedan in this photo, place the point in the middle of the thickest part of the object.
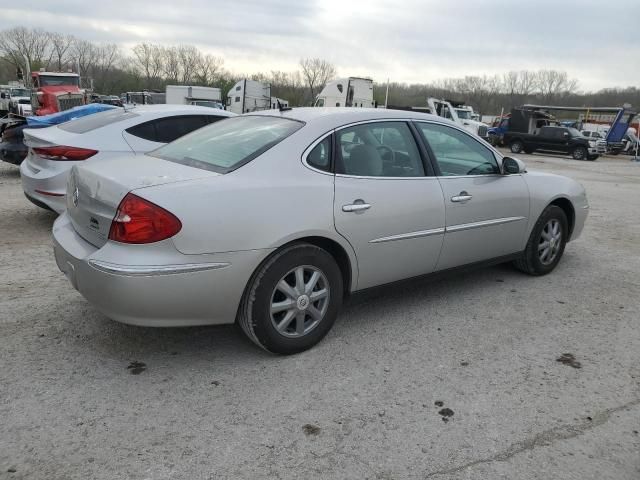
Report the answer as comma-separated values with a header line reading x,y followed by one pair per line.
x,y
271,219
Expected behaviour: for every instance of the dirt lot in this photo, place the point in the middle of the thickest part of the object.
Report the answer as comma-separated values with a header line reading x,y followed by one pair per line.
x,y
478,350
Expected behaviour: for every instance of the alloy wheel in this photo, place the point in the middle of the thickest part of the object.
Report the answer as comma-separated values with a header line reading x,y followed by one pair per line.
x,y
550,242
299,301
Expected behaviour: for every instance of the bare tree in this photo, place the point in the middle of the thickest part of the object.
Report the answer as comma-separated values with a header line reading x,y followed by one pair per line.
x,y
107,58
208,68
60,49
171,64
149,59
85,56
19,43
189,61
552,83
317,73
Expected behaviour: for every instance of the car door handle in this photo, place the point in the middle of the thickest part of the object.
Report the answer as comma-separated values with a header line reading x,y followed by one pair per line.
x,y
356,207
461,197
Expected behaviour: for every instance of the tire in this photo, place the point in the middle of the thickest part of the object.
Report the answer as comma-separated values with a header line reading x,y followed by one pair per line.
x,y
263,291
579,153
516,146
532,261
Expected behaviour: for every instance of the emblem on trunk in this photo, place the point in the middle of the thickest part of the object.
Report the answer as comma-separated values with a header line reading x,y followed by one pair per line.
x,y
75,197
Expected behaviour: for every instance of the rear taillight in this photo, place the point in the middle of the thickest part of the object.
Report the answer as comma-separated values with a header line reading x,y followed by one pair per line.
x,y
62,152
140,221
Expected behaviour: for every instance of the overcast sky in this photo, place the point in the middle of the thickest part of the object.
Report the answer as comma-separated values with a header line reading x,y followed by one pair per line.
x,y
406,40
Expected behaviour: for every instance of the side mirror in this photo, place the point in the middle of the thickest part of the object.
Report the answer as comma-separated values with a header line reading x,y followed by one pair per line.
x,y
512,166
3,95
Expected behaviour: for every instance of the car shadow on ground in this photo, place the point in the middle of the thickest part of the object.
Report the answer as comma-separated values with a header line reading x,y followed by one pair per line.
x,y
27,218
9,171
223,342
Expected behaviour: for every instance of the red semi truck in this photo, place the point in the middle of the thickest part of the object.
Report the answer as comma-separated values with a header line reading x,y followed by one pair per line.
x,y
55,92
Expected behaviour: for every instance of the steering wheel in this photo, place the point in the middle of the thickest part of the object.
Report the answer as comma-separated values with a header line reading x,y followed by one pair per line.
x,y
383,149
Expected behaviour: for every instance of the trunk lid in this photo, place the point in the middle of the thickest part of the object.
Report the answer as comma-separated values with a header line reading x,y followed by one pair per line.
x,y
95,189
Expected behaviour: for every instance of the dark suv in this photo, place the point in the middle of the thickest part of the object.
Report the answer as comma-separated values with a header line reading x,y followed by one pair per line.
x,y
554,139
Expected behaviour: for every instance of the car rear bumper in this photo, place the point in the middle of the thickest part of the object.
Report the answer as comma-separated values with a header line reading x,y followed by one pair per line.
x,y
45,186
163,289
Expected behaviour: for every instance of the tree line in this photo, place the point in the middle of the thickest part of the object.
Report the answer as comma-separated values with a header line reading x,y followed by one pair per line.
x,y
151,66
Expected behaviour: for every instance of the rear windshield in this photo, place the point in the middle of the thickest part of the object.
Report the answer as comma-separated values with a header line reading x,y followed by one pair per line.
x,y
96,120
229,144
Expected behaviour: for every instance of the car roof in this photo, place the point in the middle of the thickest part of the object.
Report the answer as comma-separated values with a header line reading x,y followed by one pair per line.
x,y
176,109
345,115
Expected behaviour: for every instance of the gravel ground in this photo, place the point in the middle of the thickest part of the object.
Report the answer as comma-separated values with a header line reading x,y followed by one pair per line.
x,y
369,402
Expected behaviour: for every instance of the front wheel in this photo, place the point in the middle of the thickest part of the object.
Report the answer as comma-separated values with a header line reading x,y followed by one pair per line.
x,y
292,300
546,243
579,153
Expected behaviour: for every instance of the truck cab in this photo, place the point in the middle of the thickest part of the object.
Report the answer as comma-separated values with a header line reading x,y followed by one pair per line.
x,y
460,113
55,92
249,96
347,92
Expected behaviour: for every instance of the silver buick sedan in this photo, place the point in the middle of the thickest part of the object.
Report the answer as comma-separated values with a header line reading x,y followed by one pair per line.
x,y
271,219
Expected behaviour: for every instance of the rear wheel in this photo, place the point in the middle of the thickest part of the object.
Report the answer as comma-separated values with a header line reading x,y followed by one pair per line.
x,y
516,146
546,242
579,153
292,300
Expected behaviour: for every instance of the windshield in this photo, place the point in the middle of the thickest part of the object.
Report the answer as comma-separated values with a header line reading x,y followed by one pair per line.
x,y
574,132
463,114
207,103
96,120
55,80
19,92
229,144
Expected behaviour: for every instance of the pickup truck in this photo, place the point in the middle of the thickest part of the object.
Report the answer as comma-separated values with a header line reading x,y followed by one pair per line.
x,y
557,140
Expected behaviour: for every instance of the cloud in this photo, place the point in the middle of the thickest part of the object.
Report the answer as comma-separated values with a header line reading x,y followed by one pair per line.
x,y
410,41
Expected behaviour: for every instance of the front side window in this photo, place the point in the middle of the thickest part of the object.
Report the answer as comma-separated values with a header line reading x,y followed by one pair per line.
x,y
379,149
226,146
456,152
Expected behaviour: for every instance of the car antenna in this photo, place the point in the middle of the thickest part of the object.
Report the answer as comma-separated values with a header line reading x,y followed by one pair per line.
x,y
281,107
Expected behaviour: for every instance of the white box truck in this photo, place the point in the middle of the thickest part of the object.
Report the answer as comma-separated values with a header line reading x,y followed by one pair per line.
x,y
347,92
187,95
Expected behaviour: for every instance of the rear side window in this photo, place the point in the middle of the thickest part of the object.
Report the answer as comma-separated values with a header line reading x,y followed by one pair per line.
x,y
171,128
320,156
146,131
97,120
226,146
166,130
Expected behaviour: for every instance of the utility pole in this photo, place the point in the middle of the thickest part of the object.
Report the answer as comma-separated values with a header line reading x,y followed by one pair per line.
x,y
386,95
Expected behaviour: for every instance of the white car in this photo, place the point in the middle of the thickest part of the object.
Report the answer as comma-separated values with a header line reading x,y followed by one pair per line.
x,y
53,151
